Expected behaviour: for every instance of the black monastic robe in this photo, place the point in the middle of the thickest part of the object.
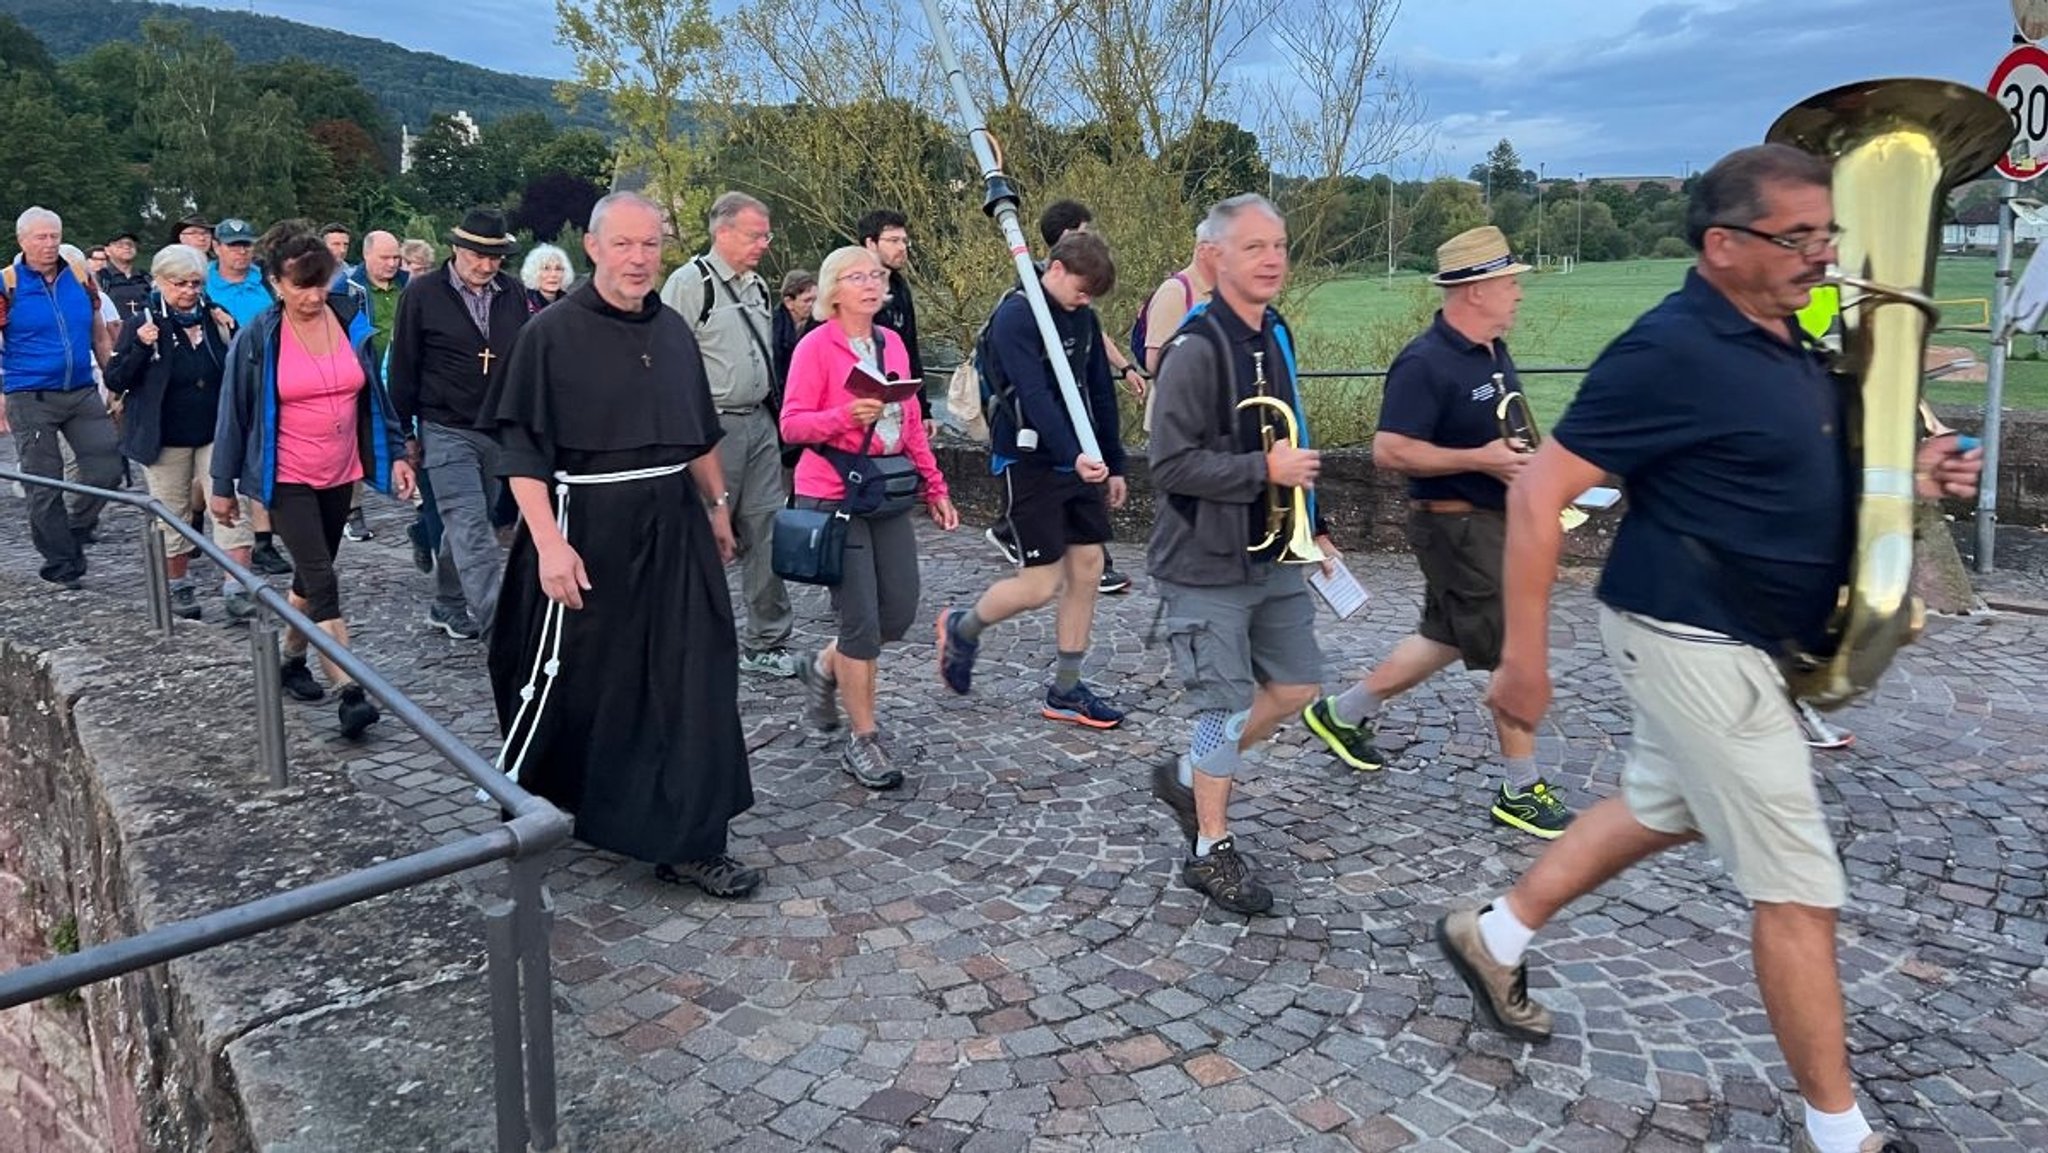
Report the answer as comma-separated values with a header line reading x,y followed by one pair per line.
x,y
639,736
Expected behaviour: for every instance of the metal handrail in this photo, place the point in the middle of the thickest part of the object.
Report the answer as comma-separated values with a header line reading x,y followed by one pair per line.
x,y
518,928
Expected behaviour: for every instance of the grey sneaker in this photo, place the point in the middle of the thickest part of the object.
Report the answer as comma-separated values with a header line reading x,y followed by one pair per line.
x,y
1227,877
775,662
185,602
457,623
239,604
821,695
1500,993
866,759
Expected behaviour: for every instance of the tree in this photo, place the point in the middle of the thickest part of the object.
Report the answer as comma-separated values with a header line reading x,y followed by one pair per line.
x,y
649,59
215,146
579,152
1217,159
1510,210
551,200
1445,207
1501,171
56,158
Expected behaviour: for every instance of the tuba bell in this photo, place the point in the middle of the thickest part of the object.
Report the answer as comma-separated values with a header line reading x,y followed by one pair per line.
x,y
1897,147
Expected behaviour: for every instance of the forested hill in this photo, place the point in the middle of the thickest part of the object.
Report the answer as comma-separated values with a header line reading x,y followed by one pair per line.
x,y
410,85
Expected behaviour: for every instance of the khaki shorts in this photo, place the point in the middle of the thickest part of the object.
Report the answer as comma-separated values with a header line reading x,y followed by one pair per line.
x,y
1717,750
1460,554
172,480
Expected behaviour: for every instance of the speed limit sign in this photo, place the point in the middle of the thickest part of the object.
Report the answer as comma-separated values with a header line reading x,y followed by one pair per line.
x,y
2021,84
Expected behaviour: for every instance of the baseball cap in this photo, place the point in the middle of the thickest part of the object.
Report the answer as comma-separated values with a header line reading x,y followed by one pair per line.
x,y
234,230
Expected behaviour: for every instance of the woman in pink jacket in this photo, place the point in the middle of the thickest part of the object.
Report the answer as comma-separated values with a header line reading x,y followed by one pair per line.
x,y
877,598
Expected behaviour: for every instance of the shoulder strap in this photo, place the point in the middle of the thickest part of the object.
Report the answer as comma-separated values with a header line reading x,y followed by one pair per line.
x,y
7,276
704,274
760,344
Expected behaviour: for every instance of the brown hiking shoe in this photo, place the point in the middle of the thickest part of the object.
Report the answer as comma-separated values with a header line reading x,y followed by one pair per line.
x,y
1501,994
1875,1143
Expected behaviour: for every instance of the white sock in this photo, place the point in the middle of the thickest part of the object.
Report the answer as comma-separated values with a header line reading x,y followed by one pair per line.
x,y
1504,935
1837,1132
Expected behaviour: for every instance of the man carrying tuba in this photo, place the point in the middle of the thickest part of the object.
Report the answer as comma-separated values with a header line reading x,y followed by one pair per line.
x,y
1728,431
1446,422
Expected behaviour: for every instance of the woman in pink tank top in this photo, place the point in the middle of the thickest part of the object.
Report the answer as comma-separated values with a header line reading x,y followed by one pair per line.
x,y
318,423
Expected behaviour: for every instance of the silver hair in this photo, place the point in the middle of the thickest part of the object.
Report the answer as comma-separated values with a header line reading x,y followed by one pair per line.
x,y
537,261
836,262
33,215
71,253
605,204
1224,213
1204,232
177,262
727,208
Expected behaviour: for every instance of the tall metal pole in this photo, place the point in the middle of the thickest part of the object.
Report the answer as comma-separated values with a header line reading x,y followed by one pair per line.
x,y
1539,216
1994,382
1579,233
1001,204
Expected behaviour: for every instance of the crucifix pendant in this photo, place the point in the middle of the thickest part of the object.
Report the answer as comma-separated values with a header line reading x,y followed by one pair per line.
x,y
486,355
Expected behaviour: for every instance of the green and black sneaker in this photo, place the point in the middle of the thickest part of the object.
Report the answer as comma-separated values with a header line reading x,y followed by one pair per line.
x,y
1537,812
1352,743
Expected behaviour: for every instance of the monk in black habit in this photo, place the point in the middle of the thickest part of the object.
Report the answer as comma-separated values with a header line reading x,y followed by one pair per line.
x,y
635,729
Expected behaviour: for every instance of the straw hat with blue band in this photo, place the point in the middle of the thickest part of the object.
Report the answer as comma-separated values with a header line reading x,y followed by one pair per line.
x,y
1474,255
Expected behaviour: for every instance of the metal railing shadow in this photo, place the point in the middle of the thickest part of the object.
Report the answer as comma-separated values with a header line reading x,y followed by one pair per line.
x,y
518,927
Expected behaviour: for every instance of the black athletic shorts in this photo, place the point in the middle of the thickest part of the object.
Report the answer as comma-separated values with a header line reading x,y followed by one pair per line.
x,y
1051,511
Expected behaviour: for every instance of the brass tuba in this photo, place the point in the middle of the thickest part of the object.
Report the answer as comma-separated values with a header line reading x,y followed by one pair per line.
x,y
1897,147
1283,514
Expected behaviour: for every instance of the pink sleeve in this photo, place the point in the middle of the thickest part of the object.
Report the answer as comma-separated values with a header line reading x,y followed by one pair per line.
x,y
811,413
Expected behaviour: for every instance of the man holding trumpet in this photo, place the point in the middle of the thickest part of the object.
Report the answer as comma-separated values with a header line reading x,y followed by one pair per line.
x,y
1444,424
1237,608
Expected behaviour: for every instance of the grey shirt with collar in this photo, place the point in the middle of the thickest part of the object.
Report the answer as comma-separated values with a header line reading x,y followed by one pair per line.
x,y
735,363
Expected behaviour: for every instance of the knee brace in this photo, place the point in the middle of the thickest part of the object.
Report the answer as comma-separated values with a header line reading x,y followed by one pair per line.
x,y
1213,751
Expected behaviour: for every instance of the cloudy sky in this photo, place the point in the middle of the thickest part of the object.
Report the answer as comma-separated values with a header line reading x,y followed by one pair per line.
x,y
1607,87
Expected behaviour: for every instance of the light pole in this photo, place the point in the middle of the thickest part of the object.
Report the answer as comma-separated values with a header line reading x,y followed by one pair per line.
x,y
1579,234
1539,215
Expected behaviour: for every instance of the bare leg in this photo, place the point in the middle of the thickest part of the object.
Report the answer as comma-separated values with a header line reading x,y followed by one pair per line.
x,y
1031,588
295,642
1603,841
1794,949
338,629
1082,567
176,567
856,688
1413,661
1271,704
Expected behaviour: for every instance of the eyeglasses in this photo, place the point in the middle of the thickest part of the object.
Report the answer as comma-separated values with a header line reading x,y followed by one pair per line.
x,y
758,237
185,284
1803,243
863,277
897,239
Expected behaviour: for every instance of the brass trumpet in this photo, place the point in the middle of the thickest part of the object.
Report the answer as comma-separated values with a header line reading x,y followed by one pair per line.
x,y
1301,542
1518,425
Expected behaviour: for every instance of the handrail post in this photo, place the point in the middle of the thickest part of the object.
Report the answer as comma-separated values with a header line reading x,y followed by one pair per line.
x,y
269,697
507,1069
156,592
533,920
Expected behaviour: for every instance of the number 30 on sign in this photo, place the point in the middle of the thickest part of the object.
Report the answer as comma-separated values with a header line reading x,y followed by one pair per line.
x,y
2021,84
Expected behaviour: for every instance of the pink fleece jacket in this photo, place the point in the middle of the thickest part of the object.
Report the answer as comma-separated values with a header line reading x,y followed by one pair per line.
x,y
814,404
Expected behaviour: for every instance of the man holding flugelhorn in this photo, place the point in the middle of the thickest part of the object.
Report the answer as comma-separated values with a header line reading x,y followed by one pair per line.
x,y
1726,427
1445,423
1227,438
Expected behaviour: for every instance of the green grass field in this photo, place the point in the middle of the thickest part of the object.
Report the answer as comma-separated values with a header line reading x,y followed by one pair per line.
x,y
1566,320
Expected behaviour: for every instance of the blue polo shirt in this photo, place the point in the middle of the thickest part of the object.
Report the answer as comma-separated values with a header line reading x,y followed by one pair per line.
x,y
245,301
1444,389
1730,441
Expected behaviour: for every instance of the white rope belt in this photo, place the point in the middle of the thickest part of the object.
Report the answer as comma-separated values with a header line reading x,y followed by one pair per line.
x,y
547,654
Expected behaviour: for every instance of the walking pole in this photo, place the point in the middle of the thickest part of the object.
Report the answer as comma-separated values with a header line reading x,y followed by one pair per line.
x,y
1001,204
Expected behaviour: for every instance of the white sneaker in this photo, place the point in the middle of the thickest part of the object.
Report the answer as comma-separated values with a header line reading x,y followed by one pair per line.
x,y
769,663
1818,732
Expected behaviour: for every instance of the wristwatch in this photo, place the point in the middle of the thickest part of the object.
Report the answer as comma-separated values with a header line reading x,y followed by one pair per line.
x,y
724,499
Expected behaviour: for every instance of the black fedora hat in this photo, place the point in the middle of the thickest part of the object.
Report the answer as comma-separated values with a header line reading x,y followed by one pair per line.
x,y
483,230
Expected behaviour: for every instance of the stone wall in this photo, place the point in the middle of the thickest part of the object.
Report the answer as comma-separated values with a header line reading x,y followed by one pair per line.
x,y
130,798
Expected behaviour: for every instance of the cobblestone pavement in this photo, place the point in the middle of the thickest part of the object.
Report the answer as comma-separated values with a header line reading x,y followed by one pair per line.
x,y
1000,957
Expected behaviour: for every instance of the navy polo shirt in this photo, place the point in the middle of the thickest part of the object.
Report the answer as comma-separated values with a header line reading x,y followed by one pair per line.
x,y
1731,444
1445,389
